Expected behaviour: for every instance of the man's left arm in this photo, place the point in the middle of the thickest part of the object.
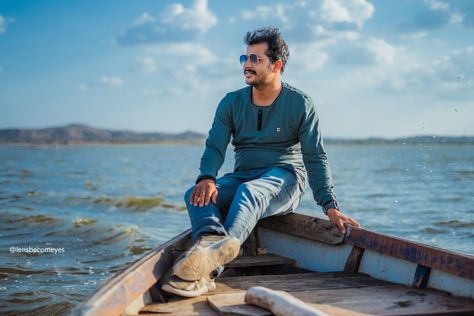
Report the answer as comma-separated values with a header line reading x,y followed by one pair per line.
x,y
317,166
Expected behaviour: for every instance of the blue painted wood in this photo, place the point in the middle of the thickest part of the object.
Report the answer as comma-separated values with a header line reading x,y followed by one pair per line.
x,y
432,257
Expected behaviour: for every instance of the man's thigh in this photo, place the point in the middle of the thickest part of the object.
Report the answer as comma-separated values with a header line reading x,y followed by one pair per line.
x,y
226,187
278,189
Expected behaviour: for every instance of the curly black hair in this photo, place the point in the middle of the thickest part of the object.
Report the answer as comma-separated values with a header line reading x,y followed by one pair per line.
x,y
277,47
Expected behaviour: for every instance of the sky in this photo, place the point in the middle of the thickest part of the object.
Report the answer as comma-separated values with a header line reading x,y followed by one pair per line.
x,y
373,68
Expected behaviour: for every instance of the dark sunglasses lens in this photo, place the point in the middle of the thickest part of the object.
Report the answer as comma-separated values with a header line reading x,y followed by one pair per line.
x,y
253,59
243,59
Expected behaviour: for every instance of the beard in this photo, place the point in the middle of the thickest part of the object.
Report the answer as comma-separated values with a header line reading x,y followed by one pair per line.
x,y
257,80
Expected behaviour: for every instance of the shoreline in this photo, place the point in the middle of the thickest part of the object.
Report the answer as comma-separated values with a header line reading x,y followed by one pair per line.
x,y
362,142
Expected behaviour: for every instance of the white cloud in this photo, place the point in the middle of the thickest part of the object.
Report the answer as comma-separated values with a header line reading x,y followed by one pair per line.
x,y
436,5
147,64
308,56
372,52
113,81
350,11
334,36
415,36
455,68
449,77
182,53
456,18
382,51
83,87
143,19
176,23
198,17
193,65
262,12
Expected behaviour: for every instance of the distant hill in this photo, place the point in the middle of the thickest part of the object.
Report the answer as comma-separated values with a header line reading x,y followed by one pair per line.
x,y
415,140
80,134
83,134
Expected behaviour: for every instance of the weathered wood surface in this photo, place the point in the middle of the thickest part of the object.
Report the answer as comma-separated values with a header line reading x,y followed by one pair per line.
x,y
233,304
297,282
259,261
280,303
323,231
200,306
238,299
354,292
304,226
432,257
123,289
389,300
185,307
334,293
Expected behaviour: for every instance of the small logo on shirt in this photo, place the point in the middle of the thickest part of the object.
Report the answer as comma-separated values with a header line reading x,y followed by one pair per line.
x,y
277,130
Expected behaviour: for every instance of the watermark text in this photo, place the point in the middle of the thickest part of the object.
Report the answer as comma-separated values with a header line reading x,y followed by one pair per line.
x,y
36,250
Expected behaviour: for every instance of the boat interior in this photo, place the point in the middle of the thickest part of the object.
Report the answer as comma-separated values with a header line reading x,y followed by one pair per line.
x,y
359,273
270,259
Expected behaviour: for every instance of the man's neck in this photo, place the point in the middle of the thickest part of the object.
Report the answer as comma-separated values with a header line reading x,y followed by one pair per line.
x,y
265,95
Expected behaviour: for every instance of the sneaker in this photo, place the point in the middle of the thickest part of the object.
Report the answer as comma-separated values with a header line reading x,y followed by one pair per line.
x,y
207,254
175,285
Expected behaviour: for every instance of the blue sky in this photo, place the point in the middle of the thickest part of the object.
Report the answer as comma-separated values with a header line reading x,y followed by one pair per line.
x,y
373,68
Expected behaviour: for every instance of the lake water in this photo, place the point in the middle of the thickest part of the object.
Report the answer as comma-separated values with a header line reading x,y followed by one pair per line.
x,y
102,207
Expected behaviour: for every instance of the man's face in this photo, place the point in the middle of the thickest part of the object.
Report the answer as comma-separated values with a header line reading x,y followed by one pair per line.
x,y
260,73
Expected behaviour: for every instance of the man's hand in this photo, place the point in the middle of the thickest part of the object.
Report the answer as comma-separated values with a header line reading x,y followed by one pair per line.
x,y
339,219
203,192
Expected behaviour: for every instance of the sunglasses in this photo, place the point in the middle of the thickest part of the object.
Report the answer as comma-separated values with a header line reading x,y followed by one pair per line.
x,y
254,59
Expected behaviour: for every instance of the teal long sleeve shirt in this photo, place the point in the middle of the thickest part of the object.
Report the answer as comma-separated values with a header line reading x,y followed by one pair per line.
x,y
284,134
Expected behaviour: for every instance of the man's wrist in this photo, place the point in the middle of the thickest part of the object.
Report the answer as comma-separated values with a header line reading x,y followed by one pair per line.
x,y
332,204
205,177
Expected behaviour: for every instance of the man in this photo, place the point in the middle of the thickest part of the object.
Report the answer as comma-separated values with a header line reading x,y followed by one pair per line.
x,y
275,132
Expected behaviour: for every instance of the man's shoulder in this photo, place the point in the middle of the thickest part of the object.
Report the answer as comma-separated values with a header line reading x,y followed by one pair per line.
x,y
295,92
298,98
237,93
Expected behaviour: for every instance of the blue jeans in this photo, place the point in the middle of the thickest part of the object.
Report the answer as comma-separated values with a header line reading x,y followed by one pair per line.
x,y
243,198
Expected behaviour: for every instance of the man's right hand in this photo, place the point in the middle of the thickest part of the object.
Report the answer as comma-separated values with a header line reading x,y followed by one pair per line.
x,y
203,192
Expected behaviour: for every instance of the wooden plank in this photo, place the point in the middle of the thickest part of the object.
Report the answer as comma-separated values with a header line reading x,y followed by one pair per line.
x,y
233,304
422,275
304,226
354,259
259,261
180,306
389,300
124,288
432,257
297,282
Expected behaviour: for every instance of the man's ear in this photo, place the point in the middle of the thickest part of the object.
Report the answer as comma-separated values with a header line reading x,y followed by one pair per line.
x,y
277,66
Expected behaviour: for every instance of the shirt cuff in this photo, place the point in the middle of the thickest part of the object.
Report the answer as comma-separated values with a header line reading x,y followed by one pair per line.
x,y
205,177
330,204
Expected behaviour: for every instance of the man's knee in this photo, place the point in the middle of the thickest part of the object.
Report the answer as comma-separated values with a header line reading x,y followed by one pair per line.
x,y
187,195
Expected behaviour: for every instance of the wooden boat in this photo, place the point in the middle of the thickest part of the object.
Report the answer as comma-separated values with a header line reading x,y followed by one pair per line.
x,y
361,273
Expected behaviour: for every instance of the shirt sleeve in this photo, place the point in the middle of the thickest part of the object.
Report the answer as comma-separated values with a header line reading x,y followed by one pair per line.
x,y
217,141
315,159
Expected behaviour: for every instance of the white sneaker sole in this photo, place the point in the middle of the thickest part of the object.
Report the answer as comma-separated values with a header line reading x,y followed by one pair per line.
x,y
203,290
